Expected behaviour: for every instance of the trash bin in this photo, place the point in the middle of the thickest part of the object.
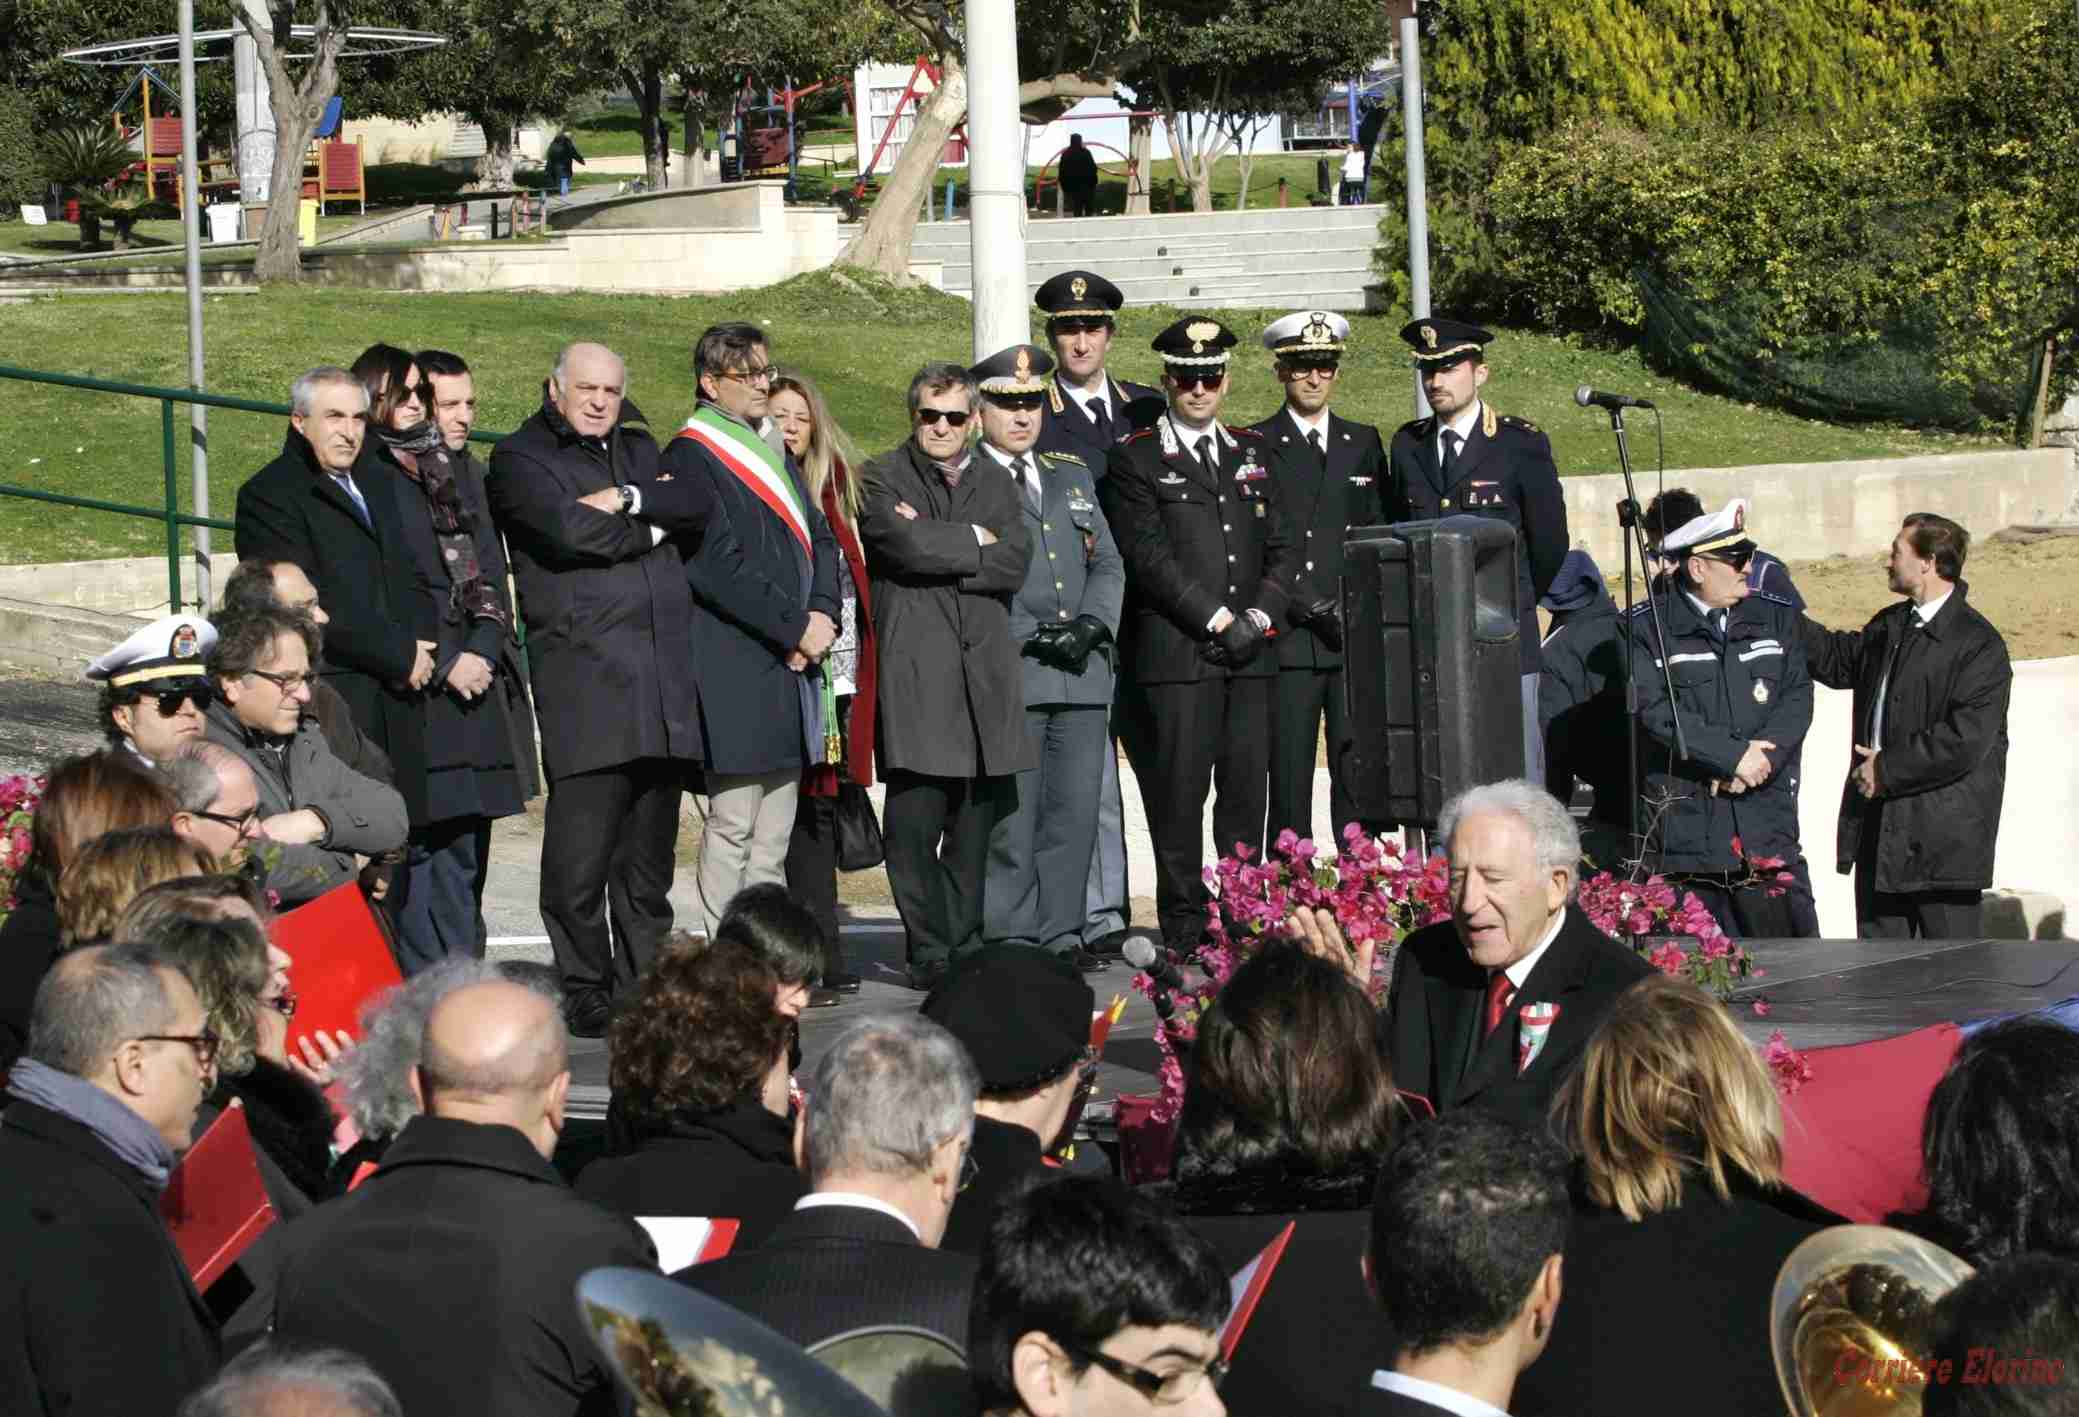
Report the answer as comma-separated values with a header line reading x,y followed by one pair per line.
x,y
307,222
1323,179
223,222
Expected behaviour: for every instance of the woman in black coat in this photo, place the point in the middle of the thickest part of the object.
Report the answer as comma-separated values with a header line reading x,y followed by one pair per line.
x,y
699,1075
1681,1221
1288,1108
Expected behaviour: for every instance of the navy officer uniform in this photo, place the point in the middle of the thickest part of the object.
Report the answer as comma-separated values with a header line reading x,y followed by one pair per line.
x,y
1064,619
1736,658
1331,476
1197,516
1467,460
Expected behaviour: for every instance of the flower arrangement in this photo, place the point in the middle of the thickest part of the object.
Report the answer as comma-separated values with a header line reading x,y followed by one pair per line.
x,y
18,798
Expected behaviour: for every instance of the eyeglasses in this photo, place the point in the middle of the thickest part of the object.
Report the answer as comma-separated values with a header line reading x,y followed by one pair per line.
x,y
242,823
970,1169
170,700
283,1003
1162,1389
287,683
204,1043
953,416
763,374
1187,382
1025,402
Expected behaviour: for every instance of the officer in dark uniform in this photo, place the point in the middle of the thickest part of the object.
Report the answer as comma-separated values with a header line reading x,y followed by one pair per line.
x,y
1088,412
1331,476
1195,510
1064,619
1581,707
1737,661
1467,460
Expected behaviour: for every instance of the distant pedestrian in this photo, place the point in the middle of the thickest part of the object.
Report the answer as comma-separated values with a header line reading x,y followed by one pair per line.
x,y
1356,175
562,153
1078,176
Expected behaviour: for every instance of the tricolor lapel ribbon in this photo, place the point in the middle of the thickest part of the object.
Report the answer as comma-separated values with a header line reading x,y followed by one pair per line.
x,y
1534,1023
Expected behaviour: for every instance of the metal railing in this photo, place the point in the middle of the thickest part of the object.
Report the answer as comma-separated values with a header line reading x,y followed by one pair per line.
x,y
169,511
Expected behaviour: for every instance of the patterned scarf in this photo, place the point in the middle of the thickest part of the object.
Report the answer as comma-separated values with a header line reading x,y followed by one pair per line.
x,y
469,593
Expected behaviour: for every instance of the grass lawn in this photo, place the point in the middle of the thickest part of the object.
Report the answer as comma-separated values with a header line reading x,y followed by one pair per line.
x,y
859,346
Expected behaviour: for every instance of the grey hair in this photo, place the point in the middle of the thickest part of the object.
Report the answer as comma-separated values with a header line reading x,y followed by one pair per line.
x,y
563,362
937,377
195,772
303,393
268,1371
92,1000
887,1094
376,1073
1553,834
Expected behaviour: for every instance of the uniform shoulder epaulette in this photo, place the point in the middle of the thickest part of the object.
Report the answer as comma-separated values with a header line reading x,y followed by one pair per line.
x,y
1517,421
1774,599
1641,607
1245,430
1137,434
1418,427
1062,455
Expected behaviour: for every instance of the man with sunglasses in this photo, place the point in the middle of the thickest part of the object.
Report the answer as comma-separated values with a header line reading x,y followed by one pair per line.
x,y
154,690
1743,693
1209,563
947,546
1131,1326
1332,474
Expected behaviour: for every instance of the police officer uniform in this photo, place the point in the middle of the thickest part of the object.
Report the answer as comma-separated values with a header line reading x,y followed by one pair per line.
x,y
159,669
1064,619
1331,476
1739,675
1198,520
1485,464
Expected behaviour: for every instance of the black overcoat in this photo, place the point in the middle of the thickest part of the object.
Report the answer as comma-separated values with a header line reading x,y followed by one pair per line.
x,y
737,1163
951,699
1006,1158
378,606
605,604
1942,771
1323,497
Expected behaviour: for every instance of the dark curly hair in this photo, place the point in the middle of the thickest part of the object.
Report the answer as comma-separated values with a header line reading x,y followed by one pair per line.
x,y
701,1035
1999,1147
245,641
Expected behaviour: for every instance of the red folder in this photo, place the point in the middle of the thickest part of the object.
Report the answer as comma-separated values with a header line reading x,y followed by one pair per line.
x,y
215,1204
342,959
1247,1288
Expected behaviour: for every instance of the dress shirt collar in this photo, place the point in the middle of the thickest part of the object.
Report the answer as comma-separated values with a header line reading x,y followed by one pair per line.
x,y
1435,1394
1927,610
816,1200
1004,459
1316,424
1100,396
1464,424
1520,970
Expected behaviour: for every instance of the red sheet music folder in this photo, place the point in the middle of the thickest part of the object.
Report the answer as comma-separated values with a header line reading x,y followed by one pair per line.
x,y
1247,1288
343,959
215,1204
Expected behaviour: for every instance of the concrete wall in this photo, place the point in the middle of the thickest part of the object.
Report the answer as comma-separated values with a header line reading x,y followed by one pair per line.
x,y
134,585
1808,511
734,206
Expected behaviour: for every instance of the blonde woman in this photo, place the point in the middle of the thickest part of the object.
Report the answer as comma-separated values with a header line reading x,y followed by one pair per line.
x,y
826,457
1681,1217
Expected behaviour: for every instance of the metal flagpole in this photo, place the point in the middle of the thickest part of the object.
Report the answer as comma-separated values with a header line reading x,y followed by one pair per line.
x,y
1418,178
995,179
191,235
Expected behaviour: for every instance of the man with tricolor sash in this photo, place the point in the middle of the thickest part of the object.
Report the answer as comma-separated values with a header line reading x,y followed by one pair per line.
x,y
763,572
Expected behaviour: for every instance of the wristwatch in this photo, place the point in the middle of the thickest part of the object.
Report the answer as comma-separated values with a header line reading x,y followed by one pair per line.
x,y
627,498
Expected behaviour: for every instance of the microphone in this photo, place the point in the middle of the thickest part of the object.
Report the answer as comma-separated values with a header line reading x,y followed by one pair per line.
x,y
1155,962
1595,398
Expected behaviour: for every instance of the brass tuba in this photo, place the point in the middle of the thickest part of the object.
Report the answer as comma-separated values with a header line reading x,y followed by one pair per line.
x,y
1850,1320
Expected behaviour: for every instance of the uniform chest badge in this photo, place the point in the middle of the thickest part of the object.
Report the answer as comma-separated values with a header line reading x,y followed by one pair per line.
x,y
1360,482
1250,472
1077,502
1169,479
1761,692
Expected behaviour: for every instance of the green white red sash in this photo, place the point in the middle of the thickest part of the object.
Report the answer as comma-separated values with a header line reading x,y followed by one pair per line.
x,y
755,464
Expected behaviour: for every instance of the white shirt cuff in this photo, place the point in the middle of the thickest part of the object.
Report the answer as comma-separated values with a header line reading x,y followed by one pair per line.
x,y
978,531
1215,620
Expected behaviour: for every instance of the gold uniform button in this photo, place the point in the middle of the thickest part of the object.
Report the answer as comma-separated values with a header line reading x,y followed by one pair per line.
x,y
1447,501
1062,613
1310,565
1050,555
1057,585
1310,536
1230,558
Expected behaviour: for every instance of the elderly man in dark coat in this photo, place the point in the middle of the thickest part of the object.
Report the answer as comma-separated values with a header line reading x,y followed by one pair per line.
x,y
609,630
947,546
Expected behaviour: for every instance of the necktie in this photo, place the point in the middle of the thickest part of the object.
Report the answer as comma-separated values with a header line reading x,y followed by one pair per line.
x,y
1884,684
346,485
1450,461
1027,479
1314,437
1499,990
1206,459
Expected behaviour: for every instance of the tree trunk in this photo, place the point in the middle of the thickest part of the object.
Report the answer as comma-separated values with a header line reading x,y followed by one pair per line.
x,y
89,229
297,106
656,159
883,243
1140,148
494,170
1241,198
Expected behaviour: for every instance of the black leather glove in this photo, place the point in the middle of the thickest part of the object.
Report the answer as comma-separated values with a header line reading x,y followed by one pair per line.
x,y
1325,618
1046,645
1235,646
1079,638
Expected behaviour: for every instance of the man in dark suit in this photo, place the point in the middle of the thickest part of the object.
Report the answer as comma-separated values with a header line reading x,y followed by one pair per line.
x,y
1131,1325
467,1216
609,639
335,513
1468,1234
1332,475
1581,709
861,1248
1491,1008
1199,519
1467,460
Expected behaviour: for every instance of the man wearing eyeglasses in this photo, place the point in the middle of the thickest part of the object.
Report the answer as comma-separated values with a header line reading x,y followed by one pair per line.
x,y
216,801
947,546
1332,473
1727,813
97,1307
1132,1326
1200,522
154,690
322,820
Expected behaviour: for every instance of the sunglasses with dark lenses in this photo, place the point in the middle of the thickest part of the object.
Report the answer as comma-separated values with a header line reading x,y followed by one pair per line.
x,y
1026,403
1736,559
949,415
1198,381
170,700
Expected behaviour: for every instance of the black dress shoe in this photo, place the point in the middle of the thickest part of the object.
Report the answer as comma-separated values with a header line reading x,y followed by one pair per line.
x,y
1085,961
588,1014
925,977
842,982
1113,944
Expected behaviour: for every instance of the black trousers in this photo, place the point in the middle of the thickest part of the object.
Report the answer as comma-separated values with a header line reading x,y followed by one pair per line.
x,y
1748,913
1183,737
1301,698
1922,915
936,834
606,853
437,896
812,871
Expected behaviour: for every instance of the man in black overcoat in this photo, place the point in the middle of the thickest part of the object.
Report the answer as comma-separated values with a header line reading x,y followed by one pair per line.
x,y
1209,561
1492,1008
332,507
1920,812
1331,475
1581,706
609,636
1467,460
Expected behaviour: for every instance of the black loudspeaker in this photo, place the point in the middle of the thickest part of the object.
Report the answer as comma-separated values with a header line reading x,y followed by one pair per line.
x,y
1431,669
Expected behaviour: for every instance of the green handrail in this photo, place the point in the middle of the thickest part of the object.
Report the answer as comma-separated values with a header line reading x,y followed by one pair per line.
x,y
169,512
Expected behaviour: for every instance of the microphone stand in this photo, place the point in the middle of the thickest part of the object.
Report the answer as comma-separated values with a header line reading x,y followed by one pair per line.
x,y
1634,534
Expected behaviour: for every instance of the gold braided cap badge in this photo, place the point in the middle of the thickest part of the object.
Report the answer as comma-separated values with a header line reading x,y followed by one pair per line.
x,y
1198,332
1077,287
1429,335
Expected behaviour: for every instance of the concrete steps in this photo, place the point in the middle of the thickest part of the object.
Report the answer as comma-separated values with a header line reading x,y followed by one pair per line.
x,y
1312,256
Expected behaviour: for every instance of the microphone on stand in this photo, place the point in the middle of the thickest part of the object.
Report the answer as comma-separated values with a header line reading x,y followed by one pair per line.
x,y
1154,961
1596,398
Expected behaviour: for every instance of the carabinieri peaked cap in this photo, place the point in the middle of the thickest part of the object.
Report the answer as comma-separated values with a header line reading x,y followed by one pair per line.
x,y
1194,341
